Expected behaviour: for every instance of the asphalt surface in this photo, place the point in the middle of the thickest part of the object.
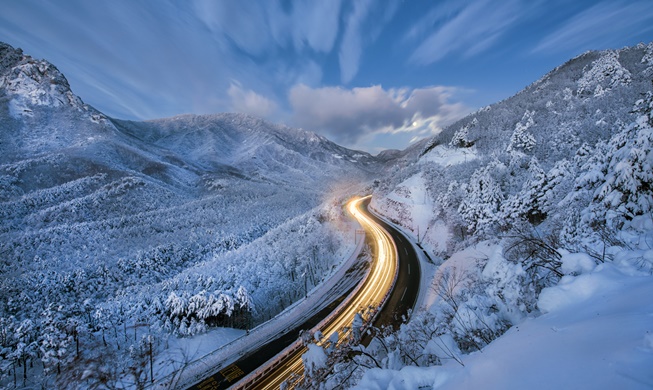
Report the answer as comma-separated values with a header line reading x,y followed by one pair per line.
x,y
231,374
404,295
394,313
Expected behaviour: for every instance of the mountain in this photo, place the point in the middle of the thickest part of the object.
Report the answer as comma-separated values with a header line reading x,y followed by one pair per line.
x,y
116,236
247,147
106,224
41,116
537,215
568,111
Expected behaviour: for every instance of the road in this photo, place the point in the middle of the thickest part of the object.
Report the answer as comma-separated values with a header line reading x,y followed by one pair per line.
x,y
404,295
394,264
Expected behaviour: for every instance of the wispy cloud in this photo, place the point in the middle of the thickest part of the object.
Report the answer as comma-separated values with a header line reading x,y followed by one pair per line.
x,y
348,115
243,23
600,26
316,24
352,45
263,27
362,26
468,30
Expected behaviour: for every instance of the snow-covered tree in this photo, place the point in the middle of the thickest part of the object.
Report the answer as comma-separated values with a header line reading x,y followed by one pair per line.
x,y
461,137
628,185
522,140
482,200
55,340
617,178
529,202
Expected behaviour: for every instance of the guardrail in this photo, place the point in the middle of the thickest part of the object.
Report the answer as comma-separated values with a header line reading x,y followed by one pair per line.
x,y
272,364
205,366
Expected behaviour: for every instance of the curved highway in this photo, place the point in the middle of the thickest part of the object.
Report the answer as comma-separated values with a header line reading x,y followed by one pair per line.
x,y
392,284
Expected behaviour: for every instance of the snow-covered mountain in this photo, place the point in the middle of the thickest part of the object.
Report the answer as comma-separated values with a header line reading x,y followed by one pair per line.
x,y
247,147
182,223
559,118
537,212
41,116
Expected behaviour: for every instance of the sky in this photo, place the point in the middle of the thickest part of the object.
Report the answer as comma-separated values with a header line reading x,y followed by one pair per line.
x,y
369,75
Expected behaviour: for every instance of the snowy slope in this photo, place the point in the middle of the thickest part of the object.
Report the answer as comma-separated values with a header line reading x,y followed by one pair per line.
x,y
596,333
546,127
539,210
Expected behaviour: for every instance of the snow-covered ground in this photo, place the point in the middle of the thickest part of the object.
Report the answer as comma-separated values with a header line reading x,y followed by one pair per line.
x,y
447,157
596,333
126,238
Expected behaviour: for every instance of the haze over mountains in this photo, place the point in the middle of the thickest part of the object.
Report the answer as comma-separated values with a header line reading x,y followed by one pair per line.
x,y
193,222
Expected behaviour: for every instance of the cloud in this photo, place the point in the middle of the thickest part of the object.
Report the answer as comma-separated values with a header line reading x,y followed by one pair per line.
x,y
264,27
249,102
349,115
352,45
315,24
469,29
244,23
363,25
600,26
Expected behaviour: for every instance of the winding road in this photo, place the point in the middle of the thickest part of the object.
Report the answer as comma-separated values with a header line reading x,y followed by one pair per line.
x,y
392,284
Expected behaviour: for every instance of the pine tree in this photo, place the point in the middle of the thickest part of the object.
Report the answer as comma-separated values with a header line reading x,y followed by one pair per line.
x,y
522,140
482,201
55,340
628,187
620,175
529,202
461,138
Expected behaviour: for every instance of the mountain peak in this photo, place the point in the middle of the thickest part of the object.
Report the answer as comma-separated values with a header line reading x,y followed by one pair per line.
x,y
29,82
9,56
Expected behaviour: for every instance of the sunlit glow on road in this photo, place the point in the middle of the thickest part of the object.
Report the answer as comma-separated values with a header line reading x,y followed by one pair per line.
x,y
371,293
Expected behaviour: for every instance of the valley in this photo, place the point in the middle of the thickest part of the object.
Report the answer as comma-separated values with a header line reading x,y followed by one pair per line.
x,y
120,238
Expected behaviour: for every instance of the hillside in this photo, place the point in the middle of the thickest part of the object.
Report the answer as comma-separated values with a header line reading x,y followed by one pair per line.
x,y
537,214
182,224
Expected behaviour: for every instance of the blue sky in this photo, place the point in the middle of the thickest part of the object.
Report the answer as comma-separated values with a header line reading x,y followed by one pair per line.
x,y
367,74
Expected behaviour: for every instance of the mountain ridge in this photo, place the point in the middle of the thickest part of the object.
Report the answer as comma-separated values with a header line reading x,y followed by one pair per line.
x,y
43,116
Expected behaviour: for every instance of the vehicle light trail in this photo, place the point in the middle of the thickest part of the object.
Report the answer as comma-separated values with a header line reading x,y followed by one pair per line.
x,y
371,292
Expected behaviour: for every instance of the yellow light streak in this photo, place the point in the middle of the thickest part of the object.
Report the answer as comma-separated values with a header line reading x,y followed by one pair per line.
x,y
372,292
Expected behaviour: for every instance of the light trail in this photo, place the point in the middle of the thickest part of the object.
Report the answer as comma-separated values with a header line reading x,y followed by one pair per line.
x,y
372,292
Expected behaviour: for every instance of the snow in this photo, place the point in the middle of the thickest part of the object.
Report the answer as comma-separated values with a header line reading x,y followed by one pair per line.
x,y
314,359
603,75
414,207
577,263
439,235
18,108
597,334
123,215
447,157
98,217
412,192
573,290
545,206
180,349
